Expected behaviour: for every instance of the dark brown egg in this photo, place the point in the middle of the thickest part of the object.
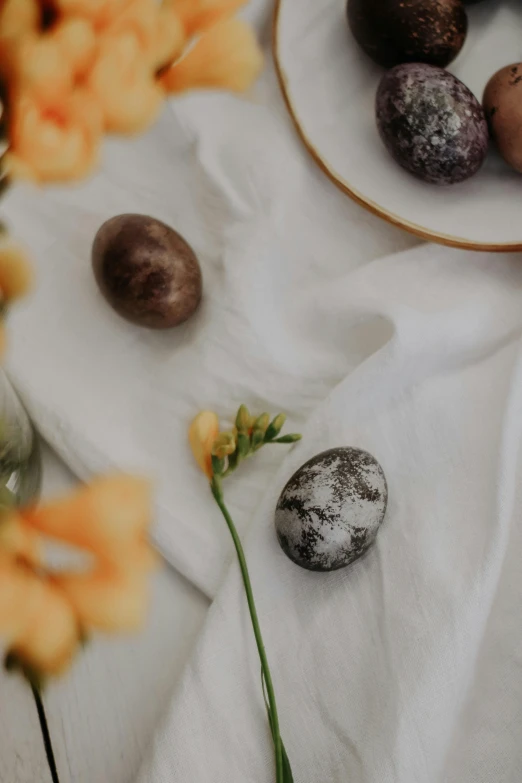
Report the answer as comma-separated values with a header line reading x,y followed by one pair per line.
x,y
402,31
503,108
146,271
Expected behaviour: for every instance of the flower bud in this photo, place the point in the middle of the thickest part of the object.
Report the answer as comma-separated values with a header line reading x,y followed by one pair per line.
x,y
275,427
262,422
243,419
258,439
291,438
224,445
243,445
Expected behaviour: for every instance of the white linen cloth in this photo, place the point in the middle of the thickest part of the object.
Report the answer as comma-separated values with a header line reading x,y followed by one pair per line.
x,y
231,177
406,667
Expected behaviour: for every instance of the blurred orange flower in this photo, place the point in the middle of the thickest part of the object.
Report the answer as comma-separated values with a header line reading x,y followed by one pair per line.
x,y
99,11
77,68
197,15
17,17
147,21
170,36
226,56
121,84
43,613
37,63
110,518
109,599
58,142
203,432
76,39
36,620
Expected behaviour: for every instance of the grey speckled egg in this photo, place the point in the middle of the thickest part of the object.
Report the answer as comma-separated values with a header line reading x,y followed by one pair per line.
x,y
431,123
329,512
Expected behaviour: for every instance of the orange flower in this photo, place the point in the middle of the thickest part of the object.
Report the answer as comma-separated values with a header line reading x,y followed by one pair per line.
x,y
36,620
170,36
123,87
109,517
203,431
109,599
53,142
197,15
48,65
77,42
157,28
38,64
19,541
98,11
137,18
17,17
227,56
100,65
43,613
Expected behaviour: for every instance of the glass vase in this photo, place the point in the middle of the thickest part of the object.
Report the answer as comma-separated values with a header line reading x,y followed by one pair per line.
x,y
20,457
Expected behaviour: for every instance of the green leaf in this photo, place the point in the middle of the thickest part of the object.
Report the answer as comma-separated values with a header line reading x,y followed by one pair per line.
x,y
292,438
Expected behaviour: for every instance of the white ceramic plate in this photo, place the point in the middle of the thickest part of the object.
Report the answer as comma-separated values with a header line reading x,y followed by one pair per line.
x,y
329,86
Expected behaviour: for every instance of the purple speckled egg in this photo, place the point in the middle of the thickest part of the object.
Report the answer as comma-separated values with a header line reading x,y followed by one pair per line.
x,y
329,512
431,123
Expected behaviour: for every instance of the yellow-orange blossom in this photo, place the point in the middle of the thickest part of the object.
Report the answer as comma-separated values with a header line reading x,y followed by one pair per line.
x,y
106,66
44,613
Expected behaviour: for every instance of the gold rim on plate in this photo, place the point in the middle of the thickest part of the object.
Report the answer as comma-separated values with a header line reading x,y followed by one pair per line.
x,y
345,187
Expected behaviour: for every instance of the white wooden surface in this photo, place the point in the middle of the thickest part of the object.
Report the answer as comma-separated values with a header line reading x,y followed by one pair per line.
x,y
103,713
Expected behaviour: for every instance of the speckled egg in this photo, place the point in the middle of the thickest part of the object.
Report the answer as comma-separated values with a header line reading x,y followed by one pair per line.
x,y
431,123
329,512
405,31
503,108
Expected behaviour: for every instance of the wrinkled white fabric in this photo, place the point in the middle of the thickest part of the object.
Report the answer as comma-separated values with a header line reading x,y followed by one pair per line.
x,y
268,229
406,667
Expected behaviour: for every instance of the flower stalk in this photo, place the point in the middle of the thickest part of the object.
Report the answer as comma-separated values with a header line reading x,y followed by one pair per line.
x,y
218,455
217,491
46,734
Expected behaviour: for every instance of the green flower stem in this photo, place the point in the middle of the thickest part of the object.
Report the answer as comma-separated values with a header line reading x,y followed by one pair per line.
x,y
274,720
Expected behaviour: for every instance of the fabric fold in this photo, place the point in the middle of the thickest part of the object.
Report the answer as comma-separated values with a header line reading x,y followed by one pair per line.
x,y
406,666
